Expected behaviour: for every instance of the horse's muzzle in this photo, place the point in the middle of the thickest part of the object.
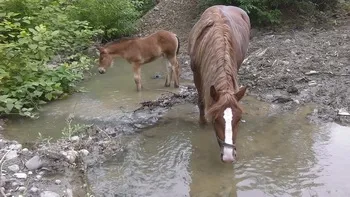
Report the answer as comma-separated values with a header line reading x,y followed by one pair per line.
x,y
228,155
101,70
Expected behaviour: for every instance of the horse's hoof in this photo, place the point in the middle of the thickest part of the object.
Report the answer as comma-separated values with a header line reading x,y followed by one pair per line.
x,y
167,85
176,86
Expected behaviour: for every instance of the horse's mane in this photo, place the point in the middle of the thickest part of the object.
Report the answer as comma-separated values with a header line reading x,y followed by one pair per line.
x,y
215,53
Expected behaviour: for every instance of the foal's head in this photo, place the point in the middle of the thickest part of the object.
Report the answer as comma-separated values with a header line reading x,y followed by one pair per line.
x,y
226,116
105,60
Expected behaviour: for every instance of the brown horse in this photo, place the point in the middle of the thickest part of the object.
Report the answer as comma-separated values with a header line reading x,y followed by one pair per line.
x,y
218,43
139,51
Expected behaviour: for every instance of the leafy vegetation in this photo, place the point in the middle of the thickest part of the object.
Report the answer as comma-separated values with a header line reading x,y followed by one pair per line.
x,y
42,44
115,17
264,12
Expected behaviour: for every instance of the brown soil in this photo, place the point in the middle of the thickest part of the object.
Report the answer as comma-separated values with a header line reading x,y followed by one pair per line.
x,y
278,61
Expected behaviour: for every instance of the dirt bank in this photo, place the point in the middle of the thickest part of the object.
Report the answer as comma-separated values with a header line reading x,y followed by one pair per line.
x,y
291,66
59,168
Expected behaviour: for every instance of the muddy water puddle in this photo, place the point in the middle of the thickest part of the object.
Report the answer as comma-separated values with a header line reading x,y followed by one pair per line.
x,y
280,154
106,98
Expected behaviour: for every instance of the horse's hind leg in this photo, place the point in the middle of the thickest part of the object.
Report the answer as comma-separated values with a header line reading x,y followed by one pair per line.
x,y
175,69
169,73
137,76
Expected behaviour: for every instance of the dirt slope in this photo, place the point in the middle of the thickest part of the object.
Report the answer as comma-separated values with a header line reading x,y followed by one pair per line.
x,y
278,65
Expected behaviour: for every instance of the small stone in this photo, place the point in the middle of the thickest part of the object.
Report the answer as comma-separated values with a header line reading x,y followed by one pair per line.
x,y
22,189
243,121
292,90
38,177
14,184
30,172
297,102
3,180
156,8
20,195
282,99
41,172
25,150
311,72
69,193
312,83
343,112
84,152
71,155
34,163
58,182
34,190
49,194
20,175
11,155
75,138
13,168
15,146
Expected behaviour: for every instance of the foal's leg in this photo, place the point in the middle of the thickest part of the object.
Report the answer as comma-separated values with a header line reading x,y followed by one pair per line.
x,y
169,73
175,69
137,76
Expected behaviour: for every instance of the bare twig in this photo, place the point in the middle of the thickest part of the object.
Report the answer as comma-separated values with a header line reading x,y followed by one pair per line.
x,y
2,161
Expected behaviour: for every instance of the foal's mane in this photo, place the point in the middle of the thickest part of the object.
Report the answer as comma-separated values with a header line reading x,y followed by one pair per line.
x,y
120,40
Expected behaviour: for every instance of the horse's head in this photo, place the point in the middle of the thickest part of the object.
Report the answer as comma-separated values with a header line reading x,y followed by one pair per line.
x,y
226,120
105,60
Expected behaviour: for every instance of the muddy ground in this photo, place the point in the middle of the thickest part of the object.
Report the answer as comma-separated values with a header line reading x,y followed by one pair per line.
x,y
291,67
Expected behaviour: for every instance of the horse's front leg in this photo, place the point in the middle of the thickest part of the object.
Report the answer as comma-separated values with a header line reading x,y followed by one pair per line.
x,y
176,71
137,76
200,103
169,73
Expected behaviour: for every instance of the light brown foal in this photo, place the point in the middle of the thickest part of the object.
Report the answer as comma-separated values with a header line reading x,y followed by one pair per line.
x,y
139,51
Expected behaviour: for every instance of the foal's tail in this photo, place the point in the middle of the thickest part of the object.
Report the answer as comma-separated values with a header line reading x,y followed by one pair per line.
x,y
178,45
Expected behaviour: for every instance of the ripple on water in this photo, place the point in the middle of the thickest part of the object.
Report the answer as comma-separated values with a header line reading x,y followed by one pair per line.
x,y
154,166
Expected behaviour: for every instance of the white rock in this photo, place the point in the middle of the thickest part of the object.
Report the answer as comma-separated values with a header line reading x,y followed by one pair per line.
x,y
21,189
14,184
49,194
312,83
58,182
25,150
71,155
11,155
30,172
34,190
343,112
69,193
311,72
75,138
15,146
13,168
34,163
84,152
38,177
20,175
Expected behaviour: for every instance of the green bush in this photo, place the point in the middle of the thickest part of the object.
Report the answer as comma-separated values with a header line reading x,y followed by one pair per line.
x,y
33,34
264,12
114,17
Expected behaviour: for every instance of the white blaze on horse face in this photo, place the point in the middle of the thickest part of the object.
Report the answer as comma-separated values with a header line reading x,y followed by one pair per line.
x,y
228,151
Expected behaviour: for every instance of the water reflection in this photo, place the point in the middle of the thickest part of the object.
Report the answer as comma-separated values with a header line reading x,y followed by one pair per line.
x,y
280,154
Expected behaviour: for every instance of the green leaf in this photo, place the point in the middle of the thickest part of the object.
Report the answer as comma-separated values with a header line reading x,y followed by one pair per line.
x,y
9,106
33,46
48,96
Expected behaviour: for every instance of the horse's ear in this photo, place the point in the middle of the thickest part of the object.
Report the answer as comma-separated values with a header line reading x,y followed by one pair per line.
x,y
241,92
101,49
213,93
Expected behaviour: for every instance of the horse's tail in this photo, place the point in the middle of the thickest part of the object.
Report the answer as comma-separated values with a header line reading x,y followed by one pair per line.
x,y
178,45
